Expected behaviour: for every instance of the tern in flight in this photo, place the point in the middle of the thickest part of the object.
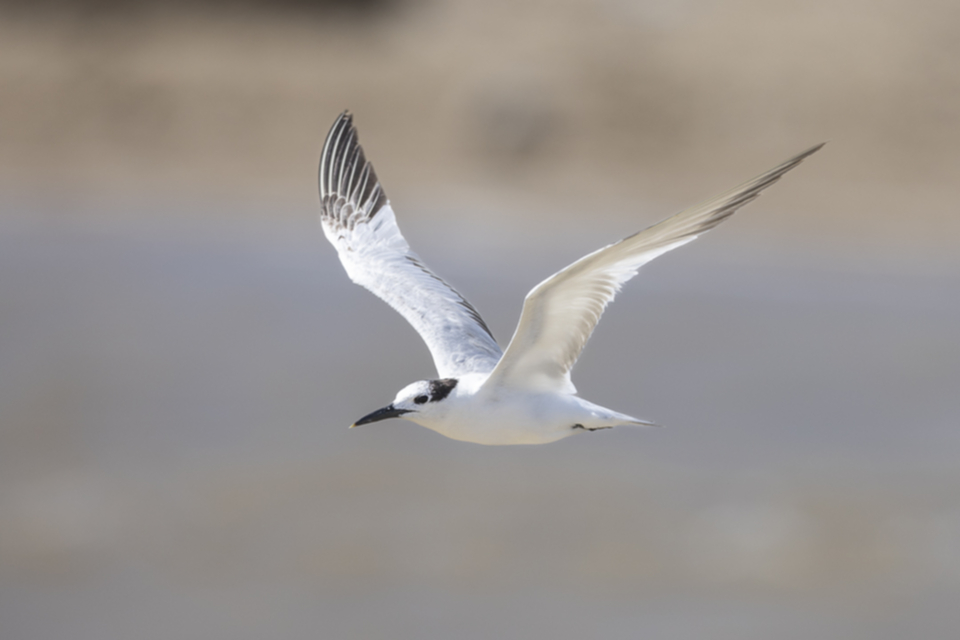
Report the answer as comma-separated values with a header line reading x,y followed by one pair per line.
x,y
522,395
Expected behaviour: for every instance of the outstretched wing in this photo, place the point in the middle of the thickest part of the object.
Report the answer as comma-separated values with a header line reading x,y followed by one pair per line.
x,y
358,221
560,313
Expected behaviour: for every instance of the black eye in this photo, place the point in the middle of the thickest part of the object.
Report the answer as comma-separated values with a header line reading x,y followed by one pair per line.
x,y
420,399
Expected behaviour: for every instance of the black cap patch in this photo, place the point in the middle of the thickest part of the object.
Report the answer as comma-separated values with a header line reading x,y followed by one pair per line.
x,y
440,389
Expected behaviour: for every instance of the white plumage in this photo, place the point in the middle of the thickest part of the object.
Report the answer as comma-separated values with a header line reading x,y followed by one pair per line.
x,y
522,395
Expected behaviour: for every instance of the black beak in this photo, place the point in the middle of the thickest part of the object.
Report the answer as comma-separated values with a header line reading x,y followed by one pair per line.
x,y
380,414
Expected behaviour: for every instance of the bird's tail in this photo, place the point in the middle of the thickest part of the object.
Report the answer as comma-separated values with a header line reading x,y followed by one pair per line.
x,y
623,420
637,422
598,417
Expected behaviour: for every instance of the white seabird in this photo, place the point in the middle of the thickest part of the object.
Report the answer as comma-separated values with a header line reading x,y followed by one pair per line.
x,y
522,395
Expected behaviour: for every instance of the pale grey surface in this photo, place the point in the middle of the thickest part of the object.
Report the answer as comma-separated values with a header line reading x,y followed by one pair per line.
x,y
174,458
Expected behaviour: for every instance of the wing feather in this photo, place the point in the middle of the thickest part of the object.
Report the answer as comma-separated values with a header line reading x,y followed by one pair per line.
x,y
358,220
560,313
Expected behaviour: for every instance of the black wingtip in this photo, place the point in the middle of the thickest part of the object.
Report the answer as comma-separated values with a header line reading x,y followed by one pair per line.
x,y
344,173
812,150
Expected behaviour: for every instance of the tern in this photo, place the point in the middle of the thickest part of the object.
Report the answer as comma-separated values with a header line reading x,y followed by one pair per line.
x,y
522,395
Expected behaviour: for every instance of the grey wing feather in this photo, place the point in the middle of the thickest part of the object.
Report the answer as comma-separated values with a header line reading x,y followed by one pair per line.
x,y
560,313
357,219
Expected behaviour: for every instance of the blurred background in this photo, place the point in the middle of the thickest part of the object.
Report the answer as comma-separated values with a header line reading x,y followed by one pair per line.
x,y
181,352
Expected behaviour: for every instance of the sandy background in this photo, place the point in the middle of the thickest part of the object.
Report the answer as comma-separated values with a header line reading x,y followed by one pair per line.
x,y
180,351
548,107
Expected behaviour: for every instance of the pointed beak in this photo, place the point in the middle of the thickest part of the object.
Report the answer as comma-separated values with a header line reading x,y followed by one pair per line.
x,y
380,414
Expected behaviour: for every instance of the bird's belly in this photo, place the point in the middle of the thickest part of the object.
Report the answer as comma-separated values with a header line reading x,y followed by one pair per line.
x,y
507,424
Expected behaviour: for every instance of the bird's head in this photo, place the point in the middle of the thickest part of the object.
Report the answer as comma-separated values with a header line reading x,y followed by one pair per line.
x,y
418,400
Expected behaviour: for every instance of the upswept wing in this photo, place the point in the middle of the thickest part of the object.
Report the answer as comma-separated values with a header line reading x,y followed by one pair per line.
x,y
358,220
560,313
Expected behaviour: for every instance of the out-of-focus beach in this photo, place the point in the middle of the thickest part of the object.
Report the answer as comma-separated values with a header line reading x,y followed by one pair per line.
x,y
181,352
